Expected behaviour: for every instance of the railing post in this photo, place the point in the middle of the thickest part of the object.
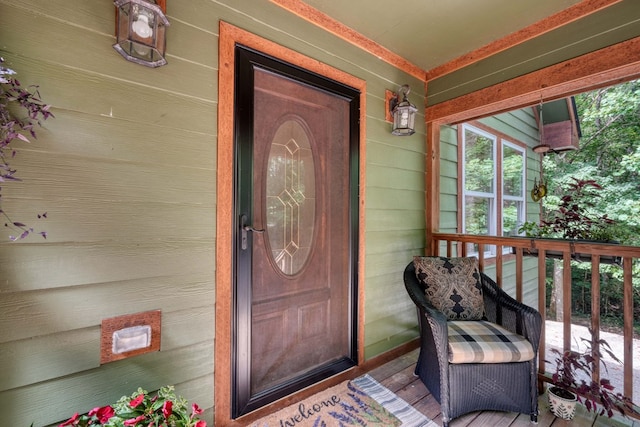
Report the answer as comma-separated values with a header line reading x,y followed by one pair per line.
x,y
519,274
542,308
566,300
595,315
627,265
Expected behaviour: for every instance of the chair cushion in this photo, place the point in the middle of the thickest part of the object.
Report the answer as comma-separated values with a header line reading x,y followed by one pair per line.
x,y
452,286
486,342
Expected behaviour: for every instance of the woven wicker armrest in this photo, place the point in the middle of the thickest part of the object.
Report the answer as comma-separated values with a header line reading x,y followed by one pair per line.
x,y
511,314
434,318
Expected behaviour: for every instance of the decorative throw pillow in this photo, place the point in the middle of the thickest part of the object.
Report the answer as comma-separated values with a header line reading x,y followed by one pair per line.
x,y
452,285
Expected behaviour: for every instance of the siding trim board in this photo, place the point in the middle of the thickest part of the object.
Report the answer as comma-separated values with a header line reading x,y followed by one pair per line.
x,y
612,25
561,19
332,26
573,13
604,67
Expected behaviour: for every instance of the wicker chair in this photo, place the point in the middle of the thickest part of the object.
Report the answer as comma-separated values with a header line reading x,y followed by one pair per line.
x,y
461,388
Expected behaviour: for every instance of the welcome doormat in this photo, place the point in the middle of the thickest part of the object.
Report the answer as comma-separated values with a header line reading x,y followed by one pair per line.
x,y
359,402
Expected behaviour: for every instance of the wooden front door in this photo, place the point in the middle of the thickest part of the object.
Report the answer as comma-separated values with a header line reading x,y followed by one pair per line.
x,y
296,210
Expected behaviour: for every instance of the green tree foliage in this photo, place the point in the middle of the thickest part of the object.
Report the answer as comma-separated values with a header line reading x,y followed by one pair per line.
x,y
609,154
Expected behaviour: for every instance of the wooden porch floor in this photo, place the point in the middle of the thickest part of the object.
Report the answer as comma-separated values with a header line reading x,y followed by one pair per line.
x,y
397,376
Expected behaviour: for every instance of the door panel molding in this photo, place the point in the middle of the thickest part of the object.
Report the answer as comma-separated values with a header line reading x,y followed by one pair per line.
x,y
230,36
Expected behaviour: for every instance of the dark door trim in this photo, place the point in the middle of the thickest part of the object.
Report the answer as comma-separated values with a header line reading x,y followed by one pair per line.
x,y
231,36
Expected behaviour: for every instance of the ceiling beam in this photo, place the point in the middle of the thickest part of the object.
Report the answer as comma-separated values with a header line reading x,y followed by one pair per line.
x,y
603,67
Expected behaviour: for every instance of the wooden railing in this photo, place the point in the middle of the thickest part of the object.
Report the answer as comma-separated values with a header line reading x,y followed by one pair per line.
x,y
514,249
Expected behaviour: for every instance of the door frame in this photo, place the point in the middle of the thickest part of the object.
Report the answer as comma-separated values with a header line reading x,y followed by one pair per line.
x,y
230,36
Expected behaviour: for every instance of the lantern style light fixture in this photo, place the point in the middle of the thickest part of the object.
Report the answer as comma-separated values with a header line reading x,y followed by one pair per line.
x,y
140,31
404,113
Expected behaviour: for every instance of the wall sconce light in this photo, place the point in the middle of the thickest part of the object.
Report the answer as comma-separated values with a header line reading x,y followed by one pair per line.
x,y
140,31
404,113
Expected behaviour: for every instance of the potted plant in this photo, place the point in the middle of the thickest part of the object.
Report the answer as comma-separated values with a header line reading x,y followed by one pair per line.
x,y
576,218
20,111
142,409
573,382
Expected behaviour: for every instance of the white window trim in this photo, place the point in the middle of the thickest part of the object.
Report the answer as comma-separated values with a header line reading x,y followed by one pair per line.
x,y
465,193
493,224
523,197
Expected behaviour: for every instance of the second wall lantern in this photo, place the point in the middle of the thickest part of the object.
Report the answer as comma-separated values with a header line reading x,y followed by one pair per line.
x,y
403,112
140,31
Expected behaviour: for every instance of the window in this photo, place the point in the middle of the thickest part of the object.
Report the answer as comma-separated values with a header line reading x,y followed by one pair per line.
x,y
513,188
493,184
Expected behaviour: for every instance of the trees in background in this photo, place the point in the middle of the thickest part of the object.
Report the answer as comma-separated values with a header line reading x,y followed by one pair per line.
x,y
609,154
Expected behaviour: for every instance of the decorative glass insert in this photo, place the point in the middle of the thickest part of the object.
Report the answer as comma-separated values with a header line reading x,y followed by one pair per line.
x,y
290,198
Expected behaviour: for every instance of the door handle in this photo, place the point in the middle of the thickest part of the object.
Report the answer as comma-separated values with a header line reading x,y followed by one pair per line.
x,y
250,228
244,232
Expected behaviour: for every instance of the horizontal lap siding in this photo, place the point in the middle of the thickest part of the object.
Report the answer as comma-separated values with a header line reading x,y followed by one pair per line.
x,y
613,24
520,126
448,179
126,172
395,223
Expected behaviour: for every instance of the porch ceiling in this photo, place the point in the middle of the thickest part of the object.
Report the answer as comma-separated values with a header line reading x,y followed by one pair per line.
x,y
430,33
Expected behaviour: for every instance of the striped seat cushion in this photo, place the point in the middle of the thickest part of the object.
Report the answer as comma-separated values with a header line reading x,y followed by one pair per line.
x,y
485,342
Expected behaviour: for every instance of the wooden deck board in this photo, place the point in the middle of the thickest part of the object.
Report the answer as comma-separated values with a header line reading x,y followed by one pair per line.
x,y
397,375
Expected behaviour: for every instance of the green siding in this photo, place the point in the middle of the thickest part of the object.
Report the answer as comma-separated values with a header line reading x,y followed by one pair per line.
x,y
126,172
606,27
520,125
448,179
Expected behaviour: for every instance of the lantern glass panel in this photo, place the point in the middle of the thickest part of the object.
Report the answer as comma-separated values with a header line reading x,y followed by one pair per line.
x,y
404,117
141,32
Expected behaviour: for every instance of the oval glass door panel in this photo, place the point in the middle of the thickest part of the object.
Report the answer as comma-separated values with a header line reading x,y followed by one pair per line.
x,y
290,198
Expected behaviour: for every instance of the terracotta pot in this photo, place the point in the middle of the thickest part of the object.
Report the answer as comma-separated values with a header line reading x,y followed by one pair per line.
x,y
562,407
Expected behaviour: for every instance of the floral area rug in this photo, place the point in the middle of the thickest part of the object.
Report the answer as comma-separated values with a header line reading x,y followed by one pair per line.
x,y
359,402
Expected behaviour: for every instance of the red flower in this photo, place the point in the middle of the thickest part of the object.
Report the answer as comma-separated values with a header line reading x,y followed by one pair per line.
x,y
134,421
196,409
201,424
103,414
167,408
135,402
71,420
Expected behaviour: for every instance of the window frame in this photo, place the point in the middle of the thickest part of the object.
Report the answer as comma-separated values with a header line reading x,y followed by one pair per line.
x,y
523,196
496,219
493,205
